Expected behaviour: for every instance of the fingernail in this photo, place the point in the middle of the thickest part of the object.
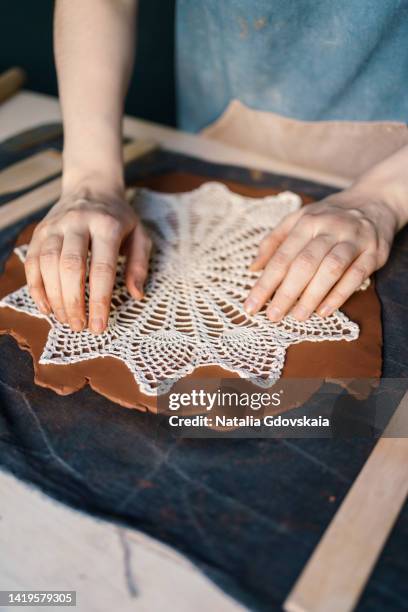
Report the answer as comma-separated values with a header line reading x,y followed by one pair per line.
x,y
96,326
299,312
76,325
274,313
139,288
250,306
325,311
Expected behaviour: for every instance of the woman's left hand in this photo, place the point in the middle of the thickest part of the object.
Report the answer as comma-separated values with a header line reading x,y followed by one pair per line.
x,y
318,256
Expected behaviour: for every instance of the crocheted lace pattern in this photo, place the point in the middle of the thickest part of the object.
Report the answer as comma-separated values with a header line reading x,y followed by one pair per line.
x,y
192,313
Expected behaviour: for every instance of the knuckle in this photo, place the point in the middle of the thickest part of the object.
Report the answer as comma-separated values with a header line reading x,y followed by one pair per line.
x,y
34,287
370,262
56,302
261,289
100,303
31,262
309,302
307,259
370,237
284,296
359,272
102,269
336,264
326,239
74,216
73,305
42,230
306,221
356,212
338,296
306,215
59,311
72,262
367,225
49,255
280,259
109,227
340,226
367,229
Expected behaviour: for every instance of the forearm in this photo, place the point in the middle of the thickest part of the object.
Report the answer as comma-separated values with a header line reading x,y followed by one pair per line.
x,y
94,43
388,183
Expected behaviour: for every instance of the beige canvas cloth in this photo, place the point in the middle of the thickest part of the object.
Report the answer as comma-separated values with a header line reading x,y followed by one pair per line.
x,y
340,148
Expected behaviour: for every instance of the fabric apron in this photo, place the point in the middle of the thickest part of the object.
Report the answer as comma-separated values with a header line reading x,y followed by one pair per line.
x,y
343,149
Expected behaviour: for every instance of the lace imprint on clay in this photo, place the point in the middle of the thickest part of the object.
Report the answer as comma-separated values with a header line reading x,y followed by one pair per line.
x,y
192,313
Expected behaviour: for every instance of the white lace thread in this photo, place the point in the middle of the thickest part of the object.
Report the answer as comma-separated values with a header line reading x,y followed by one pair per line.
x,y
192,313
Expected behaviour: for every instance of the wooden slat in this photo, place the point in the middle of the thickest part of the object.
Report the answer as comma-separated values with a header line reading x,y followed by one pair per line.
x,y
340,566
41,197
29,203
137,148
10,82
30,171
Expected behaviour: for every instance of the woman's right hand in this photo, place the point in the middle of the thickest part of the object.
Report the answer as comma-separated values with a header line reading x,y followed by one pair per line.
x,y
85,220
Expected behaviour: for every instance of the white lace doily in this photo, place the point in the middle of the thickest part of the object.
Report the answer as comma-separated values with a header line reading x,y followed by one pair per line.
x,y
192,313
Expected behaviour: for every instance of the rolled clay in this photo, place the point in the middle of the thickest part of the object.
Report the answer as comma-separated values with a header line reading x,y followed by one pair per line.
x,y
354,365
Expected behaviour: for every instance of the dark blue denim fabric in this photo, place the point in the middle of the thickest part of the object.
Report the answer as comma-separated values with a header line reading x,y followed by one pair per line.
x,y
247,512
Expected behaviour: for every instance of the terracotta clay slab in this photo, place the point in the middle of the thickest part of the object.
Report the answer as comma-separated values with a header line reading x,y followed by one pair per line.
x,y
351,364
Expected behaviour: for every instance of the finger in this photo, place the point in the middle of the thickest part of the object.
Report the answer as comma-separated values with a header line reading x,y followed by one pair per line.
x,y
271,242
300,273
72,273
49,264
275,271
330,271
357,273
138,248
104,256
34,279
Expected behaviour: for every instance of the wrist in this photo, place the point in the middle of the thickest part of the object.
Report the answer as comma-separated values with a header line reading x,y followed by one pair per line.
x,y
93,158
380,202
371,205
375,205
387,183
109,179
93,184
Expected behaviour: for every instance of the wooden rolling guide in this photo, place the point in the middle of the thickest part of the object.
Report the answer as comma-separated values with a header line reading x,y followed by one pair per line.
x,y
339,568
45,194
10,82
28,172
